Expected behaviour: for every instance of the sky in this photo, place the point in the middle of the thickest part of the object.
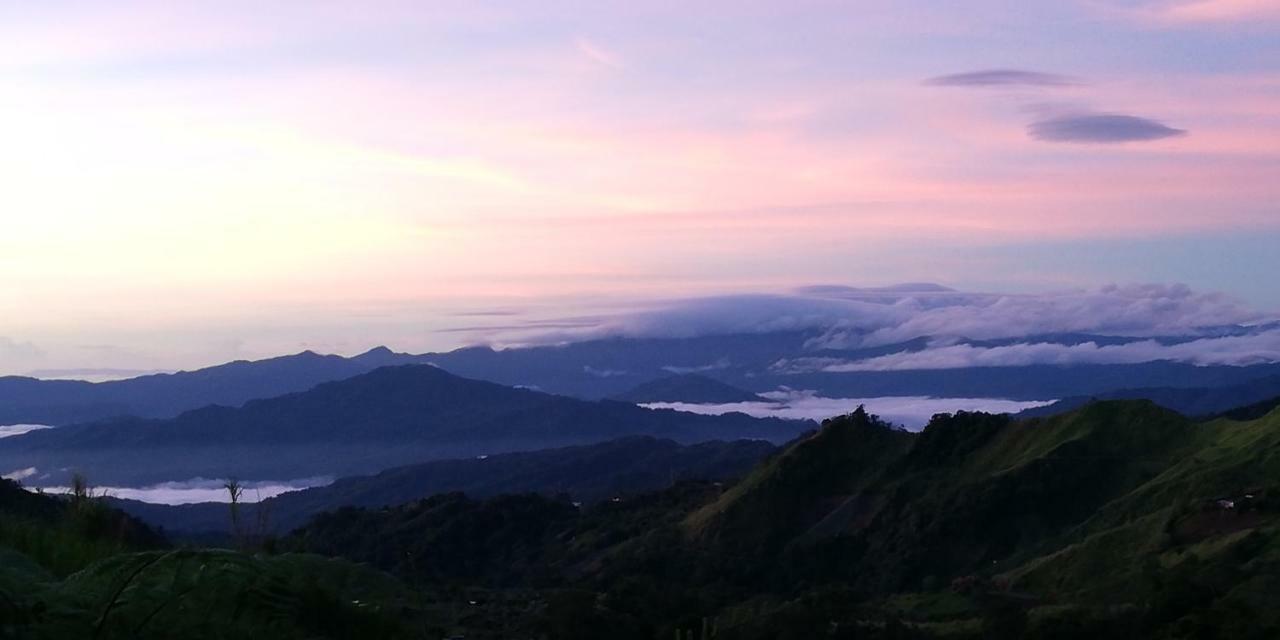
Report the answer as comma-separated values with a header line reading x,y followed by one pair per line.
x,y
187,183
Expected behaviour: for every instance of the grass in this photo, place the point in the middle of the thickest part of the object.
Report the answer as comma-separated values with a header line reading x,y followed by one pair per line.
x,y
843,457
1104,567
60,548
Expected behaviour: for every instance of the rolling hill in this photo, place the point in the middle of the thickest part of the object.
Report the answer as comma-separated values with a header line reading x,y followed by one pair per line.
x,y
71,567
61,402
620,367
1118,519
389,417
586,473
1193,402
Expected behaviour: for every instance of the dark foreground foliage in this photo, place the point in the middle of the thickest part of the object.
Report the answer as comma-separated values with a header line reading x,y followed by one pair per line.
x,y
1119,520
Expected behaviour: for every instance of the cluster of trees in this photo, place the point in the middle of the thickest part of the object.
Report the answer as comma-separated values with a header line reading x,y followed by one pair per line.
x,y
1080,526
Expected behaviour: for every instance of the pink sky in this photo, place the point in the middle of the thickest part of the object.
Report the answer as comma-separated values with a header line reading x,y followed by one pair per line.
x,y
187,183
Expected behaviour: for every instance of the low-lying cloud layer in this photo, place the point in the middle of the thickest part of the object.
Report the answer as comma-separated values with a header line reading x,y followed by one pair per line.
x,y
92,374
1244,350
20,474
912,412
855,317
1101,128
10,430
202,490
1131,311
1112,324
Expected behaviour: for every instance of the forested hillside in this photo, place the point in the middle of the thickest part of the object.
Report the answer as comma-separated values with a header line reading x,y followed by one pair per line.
x,y
1118,520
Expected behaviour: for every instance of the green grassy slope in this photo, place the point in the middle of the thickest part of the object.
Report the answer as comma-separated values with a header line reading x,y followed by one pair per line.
x,y
73,568
795,489
1173,524
885,509
1118,520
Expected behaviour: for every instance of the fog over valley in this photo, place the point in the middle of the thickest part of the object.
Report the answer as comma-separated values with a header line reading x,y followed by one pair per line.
x,y
10,430
197,490
910,412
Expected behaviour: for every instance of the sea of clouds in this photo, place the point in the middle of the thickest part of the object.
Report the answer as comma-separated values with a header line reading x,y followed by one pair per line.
x,y
190,491
1157,322
912,412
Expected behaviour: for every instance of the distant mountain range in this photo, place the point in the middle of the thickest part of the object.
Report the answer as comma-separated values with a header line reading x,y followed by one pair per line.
x,y
588,473
755,363
388,417
165,395
1195,402
632,368
1118,519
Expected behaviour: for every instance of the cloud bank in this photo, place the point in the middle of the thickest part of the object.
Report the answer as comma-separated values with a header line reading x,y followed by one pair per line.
x,y
851,318
1131,311
934,327
733,314
1245,350
203,490
93,374
912,412
8,431
1101,128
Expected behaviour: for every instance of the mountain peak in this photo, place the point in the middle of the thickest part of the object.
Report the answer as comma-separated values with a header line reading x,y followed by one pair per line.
x,y
379,354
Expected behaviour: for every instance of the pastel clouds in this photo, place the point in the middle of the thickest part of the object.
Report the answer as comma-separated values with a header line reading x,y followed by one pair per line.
x,y
597,53
1103,128
1182,12
265,174
1132,310
936,327
1233,351
1069,125
846,318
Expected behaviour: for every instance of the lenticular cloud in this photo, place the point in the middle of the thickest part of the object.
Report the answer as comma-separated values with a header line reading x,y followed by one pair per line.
x,y
1103,128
